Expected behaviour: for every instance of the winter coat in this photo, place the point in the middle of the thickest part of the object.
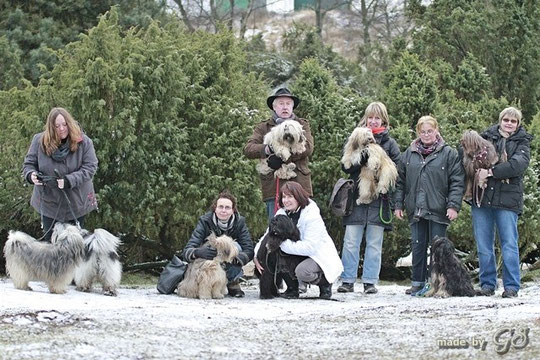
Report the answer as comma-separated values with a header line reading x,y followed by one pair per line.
x,y
78,168
427,187
254,149
369,214
314,242
505,188
205,226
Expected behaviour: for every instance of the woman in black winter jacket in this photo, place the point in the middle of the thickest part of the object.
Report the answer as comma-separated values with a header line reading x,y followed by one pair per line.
x,y
430,188
502,203
370,219
224,219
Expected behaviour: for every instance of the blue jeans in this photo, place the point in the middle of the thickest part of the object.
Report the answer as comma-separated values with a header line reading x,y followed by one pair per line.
x,y
350,256
484,221
270,204
234,272
422,233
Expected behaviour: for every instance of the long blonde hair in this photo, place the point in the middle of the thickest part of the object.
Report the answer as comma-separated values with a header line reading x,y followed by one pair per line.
x,y
50,140
375,108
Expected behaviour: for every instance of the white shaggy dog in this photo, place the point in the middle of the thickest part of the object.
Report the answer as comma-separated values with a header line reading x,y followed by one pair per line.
x,y
101,262
54,263
285,139
206,279
379,174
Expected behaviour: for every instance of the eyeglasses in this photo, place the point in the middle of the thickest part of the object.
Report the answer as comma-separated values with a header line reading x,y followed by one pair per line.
x,y
512,121
428,132
221,207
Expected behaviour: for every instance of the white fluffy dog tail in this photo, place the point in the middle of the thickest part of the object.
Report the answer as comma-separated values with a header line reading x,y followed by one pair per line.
x,y
102,242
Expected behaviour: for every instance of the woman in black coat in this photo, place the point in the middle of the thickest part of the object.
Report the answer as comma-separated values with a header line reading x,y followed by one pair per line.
x,y
430,188
224,219
502,203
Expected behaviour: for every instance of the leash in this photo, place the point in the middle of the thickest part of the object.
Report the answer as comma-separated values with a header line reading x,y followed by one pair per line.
x,y
63,191
276,198
381,216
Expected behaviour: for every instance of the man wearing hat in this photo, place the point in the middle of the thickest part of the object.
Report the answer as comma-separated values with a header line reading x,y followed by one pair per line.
x,y
282,103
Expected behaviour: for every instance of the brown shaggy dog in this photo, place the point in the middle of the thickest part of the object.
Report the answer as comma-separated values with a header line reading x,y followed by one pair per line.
x,y
379,174
206,279
478,153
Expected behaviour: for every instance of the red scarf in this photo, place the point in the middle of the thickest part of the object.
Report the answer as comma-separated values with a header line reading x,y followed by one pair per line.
x,y
378,130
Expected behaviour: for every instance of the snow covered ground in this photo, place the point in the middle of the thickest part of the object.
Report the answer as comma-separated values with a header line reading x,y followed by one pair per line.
x,y
142,324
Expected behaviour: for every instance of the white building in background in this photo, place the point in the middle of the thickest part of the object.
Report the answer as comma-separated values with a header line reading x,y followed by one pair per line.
x,y
280,6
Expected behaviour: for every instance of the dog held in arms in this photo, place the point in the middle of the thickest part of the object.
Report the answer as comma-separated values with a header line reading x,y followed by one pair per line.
x,y
73,254
449,277
276,266
379,174
285,139
206,279
478,153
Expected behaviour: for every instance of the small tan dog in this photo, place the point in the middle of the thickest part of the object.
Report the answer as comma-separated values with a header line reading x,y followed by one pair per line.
x,y
379,174
285,139
206,279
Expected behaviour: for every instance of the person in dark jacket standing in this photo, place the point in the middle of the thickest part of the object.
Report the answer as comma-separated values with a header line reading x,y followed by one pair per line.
x,y
502,203
224,219
430,189
61,159
373,218
282,103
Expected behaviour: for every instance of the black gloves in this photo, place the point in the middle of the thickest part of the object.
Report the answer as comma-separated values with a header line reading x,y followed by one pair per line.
x,y
240,260
274,162
364,158
205,252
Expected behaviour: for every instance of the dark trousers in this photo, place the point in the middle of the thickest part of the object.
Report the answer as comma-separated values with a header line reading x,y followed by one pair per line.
x,y
423,232
48,226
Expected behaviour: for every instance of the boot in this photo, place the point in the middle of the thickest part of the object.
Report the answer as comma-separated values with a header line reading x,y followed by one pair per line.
x,y
235,290
325,288
292,287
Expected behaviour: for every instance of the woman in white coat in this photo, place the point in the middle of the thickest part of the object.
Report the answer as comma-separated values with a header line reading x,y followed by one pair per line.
x,y
322,265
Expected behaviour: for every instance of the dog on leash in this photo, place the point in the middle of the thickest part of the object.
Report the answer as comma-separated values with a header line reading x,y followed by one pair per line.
x,y
478,153
101,262
285,139
379,173
206,279
449,277
53,263
269,256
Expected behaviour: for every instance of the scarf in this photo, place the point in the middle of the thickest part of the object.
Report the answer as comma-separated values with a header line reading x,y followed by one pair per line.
x,y
502,146
223,225
426,150
378,130
294,215
279,120
62,152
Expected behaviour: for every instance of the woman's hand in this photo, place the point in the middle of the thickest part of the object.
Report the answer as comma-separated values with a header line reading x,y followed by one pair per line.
x,y
258,264
35,179
398,213
451,214
60,183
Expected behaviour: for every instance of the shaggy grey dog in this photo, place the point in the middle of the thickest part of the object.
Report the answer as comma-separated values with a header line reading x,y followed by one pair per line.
x,y
449,277
101,262
206,279
54,263
285,139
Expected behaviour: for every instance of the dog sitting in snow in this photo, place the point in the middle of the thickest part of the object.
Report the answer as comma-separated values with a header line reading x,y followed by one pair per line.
x,y
285,139
53,263
206,279
273,261
379,173
478,153
449,277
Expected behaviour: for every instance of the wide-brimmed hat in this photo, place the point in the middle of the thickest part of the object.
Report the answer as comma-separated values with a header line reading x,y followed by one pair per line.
x,y
282,92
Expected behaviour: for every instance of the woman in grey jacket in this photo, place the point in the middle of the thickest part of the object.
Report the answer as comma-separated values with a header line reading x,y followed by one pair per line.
x,y
61,159
502,203
430,188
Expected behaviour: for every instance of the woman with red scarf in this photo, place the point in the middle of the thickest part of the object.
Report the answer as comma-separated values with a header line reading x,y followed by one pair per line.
x,y
430,188
373,218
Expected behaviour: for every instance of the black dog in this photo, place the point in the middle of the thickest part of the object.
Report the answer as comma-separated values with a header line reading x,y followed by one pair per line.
x,y
449,277
277,265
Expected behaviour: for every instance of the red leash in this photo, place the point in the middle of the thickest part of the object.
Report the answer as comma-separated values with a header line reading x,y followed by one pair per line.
x,y
276,199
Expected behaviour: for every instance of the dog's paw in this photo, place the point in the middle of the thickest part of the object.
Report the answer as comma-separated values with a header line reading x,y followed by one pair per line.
x,y
109,292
